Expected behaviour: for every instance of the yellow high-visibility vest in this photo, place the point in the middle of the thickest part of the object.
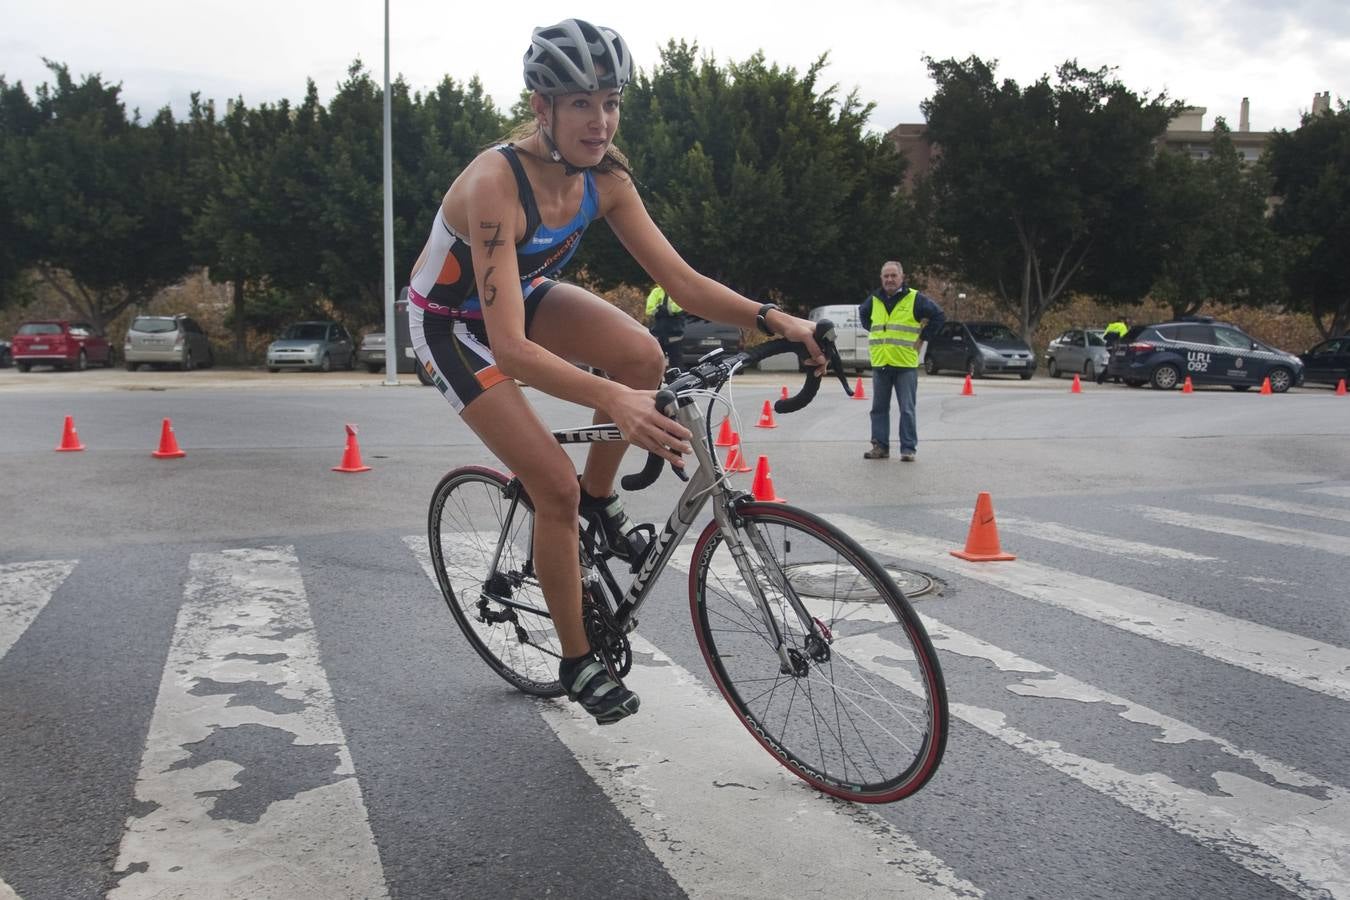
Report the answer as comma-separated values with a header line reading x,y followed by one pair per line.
x,y
894,338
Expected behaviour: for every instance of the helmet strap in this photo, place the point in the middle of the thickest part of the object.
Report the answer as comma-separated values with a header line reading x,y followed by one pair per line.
x,y
553,152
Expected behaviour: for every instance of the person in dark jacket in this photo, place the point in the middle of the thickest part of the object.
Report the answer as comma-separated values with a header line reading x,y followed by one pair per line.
x,y
899,321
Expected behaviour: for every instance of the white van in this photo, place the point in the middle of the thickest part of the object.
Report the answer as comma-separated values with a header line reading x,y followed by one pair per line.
x,y
850,337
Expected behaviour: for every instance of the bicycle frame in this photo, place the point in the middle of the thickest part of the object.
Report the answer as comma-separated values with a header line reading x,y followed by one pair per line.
x,y
707,482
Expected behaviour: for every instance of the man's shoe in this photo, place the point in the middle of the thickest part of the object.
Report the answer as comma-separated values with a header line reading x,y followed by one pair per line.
x,y
907,457
877,452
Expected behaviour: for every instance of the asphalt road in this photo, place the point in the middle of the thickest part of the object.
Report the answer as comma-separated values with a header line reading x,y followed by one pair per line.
x,y
1150,701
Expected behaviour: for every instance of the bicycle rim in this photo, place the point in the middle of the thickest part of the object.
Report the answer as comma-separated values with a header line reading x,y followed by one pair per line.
x,y
501,611
863,718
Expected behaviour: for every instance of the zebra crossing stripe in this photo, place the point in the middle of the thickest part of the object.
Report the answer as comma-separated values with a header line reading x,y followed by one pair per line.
x,y
1297,660
684,771
25,588
1254,531
7,892
246,786
1298,509
1088,540
1284,825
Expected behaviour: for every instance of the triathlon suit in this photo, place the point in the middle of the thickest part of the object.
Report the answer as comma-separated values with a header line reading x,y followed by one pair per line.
x,y
444,312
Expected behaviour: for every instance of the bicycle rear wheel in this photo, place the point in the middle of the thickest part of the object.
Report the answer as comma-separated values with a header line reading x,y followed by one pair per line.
x,y
862,714
477,514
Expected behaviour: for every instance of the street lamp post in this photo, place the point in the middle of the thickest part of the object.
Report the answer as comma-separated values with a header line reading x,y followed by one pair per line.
x,y
959,298
391,348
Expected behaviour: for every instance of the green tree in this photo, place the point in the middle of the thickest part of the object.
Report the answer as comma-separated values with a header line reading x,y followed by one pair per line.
x,y
1311,169
1213,242
1043,189
760,177
97,199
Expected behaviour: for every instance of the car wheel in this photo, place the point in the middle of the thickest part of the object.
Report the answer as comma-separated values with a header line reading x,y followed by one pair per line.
x,y
188,363
326,364
930,365
132,367
1089,371
1281,380
1052,368
23,366
1165,377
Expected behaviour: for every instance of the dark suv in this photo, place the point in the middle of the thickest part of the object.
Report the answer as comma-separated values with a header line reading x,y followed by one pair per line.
x,y
1209,352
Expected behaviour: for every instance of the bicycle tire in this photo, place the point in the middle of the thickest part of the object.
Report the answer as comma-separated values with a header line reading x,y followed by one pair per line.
x,y
868,723
464,525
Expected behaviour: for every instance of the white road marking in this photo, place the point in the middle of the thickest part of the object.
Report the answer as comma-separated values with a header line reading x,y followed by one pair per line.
x,y
1298,509
1255,531
693,783
1301,661
1298,839
7,892
212,824
1335,490
25,588
1088,540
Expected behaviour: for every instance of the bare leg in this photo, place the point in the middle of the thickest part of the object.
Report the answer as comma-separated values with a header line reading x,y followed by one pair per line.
x,y
511,429
580,327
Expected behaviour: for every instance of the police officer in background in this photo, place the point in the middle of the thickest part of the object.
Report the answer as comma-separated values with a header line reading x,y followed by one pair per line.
x,y
899,320
666,322
1112,335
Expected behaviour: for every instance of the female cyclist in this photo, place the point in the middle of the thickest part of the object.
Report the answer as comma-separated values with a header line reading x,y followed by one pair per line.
x,y
485,279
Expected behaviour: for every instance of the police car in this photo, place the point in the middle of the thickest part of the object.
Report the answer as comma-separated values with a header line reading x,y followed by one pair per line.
x,y
1210,352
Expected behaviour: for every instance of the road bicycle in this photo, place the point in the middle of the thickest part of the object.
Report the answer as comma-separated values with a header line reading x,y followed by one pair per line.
x,y
808,638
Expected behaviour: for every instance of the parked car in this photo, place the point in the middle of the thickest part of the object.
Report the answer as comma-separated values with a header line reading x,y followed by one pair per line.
x,y
849,336
701,337
1328,362
1207,351
166,341
59,343
312,345
374,345
6,354
1078,351
979,349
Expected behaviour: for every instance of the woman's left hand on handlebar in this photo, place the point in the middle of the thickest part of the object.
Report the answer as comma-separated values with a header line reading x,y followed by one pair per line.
x,y
803,331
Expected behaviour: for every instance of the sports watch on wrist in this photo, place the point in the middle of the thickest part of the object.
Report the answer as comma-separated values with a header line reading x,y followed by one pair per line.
x,y
761,320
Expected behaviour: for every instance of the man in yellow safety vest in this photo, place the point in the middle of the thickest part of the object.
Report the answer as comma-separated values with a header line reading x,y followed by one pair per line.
x,y
899,320
666,322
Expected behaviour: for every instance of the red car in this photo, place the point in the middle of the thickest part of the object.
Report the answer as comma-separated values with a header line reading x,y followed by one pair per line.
x,y
62,344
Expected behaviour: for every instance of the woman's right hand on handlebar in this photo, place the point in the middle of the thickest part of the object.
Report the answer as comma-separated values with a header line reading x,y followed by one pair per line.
x,y
642,424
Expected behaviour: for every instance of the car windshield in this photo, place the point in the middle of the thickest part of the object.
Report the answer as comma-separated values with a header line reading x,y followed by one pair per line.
x,y
40,328
305,331
154,325
988,331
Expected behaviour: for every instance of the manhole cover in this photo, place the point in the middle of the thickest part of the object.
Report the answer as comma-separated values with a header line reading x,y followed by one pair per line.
x,y
831,582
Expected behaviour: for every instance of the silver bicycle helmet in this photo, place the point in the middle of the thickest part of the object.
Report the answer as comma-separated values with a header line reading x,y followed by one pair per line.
x,y
564,58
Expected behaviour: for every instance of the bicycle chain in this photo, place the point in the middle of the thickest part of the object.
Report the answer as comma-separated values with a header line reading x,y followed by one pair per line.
x,y
606,637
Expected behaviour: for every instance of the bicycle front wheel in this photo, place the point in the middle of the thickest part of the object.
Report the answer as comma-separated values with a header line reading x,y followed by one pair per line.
x,y
858,709
477,516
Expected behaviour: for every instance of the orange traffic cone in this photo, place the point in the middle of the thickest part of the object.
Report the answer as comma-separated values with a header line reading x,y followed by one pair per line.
x,y
766,417
858,392
1340,388
1187,387
784,393
1265,386
968,389
70,438
351,457
735,461
762,486
725,437
168,444
1077,385
982,540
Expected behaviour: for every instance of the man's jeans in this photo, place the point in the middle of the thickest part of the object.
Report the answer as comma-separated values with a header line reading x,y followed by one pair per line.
x,y
904,383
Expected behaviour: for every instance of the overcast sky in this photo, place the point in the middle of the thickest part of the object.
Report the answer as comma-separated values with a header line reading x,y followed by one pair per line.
x,y
1209,54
